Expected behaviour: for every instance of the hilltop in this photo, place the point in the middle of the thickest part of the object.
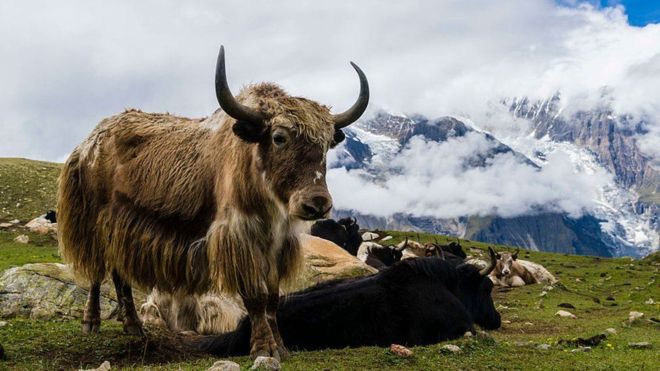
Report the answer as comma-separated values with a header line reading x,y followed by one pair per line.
x,y
27,188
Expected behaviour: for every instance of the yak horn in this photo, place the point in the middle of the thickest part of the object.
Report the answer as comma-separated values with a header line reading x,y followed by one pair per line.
x,y
346,118
227,100
493,261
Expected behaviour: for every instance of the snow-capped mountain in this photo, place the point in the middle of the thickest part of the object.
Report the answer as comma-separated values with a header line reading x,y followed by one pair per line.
x,y
622,221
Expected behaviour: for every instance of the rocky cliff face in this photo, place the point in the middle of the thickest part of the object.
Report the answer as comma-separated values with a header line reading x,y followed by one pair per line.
x,y
606,140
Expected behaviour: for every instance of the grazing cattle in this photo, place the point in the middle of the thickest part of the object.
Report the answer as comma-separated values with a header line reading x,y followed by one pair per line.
x,y
414,302
344,233
189,205
509,272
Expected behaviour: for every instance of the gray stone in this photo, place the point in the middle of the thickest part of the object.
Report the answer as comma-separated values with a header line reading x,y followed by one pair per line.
x,y
450,348
565,314
266,363
611,331
225,365
105,366
581,349
640,345
49,290
544,346
22,239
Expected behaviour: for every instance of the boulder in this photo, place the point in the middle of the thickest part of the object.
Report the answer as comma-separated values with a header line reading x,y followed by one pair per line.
x,y
225,366
41,225
565,314
105,366
450,348
266,364
49,290
400,350
22,239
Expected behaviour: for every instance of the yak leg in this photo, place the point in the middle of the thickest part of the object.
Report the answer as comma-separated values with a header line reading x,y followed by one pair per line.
x,y
262,342
271,314
131,320
119,287
92,318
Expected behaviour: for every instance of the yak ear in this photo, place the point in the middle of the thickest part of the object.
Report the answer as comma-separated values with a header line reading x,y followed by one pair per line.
x,y
515,254
249,131
337,138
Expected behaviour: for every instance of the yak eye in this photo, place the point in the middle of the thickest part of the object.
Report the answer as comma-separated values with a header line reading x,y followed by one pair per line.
x,y
279,139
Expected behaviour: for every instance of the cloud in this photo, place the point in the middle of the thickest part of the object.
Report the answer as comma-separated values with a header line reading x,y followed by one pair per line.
x,y
66,66
447,189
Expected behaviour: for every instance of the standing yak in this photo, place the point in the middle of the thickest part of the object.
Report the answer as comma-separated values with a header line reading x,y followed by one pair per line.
x,y
189,205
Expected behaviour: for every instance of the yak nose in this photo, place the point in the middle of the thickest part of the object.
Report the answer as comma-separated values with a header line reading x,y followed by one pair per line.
x,y
317,206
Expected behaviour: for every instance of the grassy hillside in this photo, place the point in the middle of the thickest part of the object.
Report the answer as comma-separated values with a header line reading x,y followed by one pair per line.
x,y
603,292
27,188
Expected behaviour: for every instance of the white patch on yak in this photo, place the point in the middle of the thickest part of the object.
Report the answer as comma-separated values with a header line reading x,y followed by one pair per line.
x,y
318,176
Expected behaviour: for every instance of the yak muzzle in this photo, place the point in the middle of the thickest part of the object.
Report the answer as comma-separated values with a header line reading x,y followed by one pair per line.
x,y
311,204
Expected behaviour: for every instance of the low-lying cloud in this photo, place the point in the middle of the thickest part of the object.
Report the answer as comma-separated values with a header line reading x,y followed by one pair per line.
x,y
432,180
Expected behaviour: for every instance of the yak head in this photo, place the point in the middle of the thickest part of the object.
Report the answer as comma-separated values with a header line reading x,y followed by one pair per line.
x,y
505,263
292,136
475,290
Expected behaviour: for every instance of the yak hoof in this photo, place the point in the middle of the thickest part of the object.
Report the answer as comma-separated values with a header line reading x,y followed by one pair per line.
x,y
134,329
268,353
90,327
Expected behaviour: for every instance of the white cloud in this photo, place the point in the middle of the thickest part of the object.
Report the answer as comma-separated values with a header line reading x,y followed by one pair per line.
x,y
446,189
65,66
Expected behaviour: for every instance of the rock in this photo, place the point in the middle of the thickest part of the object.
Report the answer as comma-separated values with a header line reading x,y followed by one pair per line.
x,y
41,225
14,221
467,334
400,350
6,225
3,323
543,294
634,316
610,331
649,302
544,346
507,322
640,345
48,290
581,349
450,348
224,365
565,314
523,344
325,261
566,305
266,363
528,324
22,239
105,366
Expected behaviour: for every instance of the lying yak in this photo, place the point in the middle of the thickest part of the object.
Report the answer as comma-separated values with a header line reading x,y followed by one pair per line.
x,y
414,302
509,272
344,233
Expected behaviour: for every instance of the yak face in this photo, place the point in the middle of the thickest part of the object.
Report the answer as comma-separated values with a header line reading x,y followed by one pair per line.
x,y
474,290
293,166
293,136
505,262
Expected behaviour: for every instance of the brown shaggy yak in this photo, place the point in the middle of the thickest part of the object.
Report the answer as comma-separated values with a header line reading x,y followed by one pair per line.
x,y
191,205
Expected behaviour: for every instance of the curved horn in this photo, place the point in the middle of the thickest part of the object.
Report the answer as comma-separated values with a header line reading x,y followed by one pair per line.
x,y
346,118
493,260
225,97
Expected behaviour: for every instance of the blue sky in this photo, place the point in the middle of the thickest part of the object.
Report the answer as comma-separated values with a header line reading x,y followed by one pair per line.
x,y
640,12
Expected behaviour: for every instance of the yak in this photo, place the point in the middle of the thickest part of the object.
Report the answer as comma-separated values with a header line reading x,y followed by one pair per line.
x,y
190,205
344,233
509,272
414,302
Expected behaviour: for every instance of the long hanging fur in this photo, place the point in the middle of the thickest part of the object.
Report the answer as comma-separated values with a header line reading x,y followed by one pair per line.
x,y
177,204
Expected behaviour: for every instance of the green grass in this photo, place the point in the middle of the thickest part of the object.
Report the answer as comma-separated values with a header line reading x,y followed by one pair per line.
x,y
35,345
27,188
585,282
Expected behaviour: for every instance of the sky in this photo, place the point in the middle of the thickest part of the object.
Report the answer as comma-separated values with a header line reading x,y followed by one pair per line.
x,y
65,66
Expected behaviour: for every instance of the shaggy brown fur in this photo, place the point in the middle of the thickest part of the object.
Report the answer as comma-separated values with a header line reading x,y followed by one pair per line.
x,y
186,206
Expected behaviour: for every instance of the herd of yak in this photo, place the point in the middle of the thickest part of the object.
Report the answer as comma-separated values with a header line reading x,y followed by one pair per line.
x,y
189,206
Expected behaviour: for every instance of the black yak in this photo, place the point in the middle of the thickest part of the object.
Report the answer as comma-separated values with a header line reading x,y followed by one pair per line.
x,y
414,302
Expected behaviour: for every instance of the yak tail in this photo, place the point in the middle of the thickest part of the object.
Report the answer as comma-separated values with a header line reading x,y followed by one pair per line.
x,y
235,343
